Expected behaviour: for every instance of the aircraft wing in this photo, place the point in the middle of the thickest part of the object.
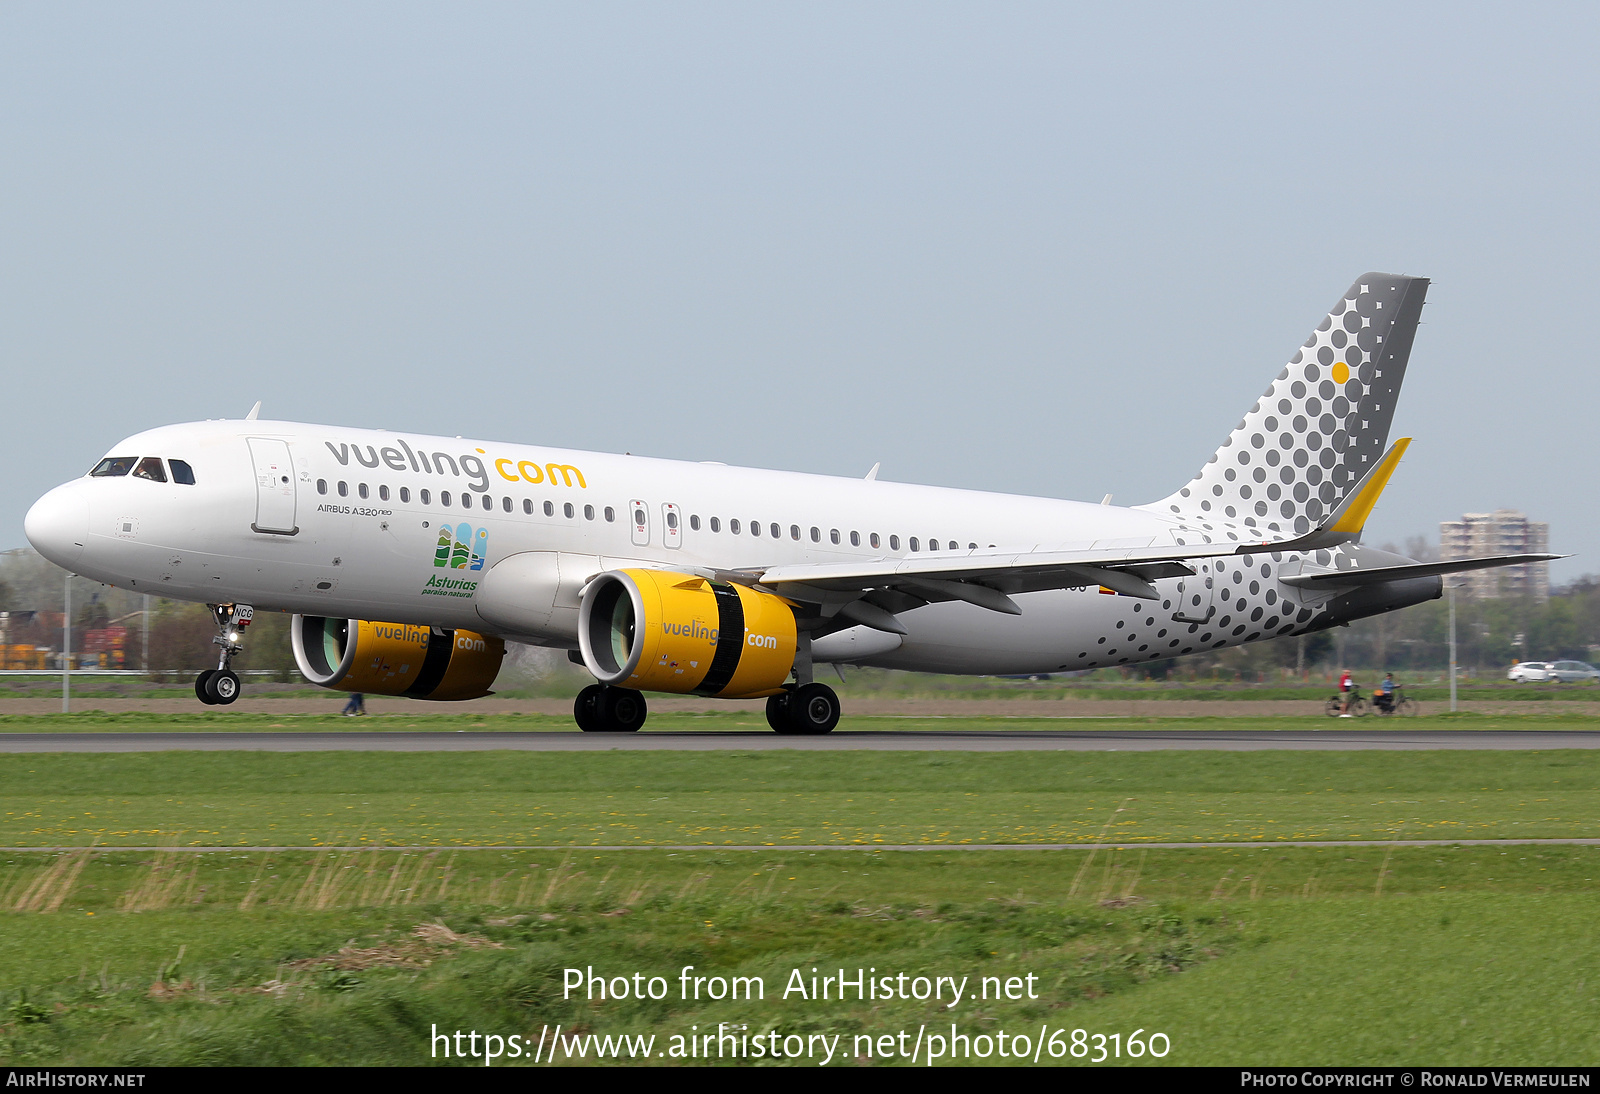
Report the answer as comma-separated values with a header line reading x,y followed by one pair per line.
x,y
988,578
1377,575
873,591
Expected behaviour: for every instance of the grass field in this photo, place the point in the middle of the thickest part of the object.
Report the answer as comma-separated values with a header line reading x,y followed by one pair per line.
x,y
1429,687
1276,954
1548,716
784,797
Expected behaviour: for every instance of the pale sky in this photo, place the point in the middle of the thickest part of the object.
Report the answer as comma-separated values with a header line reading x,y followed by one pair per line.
x,y
1037,248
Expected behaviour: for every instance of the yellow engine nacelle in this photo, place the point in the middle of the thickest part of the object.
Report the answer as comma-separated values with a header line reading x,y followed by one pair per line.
x,y
658,631
395,658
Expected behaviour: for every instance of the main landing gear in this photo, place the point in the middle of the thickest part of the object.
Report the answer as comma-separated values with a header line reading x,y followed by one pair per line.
x,y
604,709
809,708
220,686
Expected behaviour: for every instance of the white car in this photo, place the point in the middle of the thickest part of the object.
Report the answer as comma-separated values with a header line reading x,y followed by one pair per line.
x,y
1529,672
1571,672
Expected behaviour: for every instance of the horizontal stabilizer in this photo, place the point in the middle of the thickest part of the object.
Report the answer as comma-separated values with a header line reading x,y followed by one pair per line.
x,y
1377,575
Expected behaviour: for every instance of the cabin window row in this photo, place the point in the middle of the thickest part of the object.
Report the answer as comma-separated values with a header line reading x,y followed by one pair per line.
x,y
464,500
835,537
735,526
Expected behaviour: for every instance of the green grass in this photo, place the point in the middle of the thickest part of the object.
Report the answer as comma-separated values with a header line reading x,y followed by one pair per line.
x,y
787,797
1277,954
1428,687
102,720
1273,955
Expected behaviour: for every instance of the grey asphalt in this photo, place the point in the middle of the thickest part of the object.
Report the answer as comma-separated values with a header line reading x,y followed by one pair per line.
x,y
877,741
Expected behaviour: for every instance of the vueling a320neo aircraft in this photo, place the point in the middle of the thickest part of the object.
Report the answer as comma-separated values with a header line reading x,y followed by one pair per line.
x,y
409,561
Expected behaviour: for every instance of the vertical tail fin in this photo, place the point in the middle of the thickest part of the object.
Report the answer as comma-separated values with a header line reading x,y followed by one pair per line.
x,y
1320,426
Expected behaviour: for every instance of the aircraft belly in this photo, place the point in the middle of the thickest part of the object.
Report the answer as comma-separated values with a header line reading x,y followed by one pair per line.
x,y
1053,629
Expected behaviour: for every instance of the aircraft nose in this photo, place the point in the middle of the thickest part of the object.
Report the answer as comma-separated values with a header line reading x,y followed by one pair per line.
x,y
58,525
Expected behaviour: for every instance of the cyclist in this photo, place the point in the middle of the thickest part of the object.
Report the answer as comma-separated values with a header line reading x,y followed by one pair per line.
x,y
1384,699
1347,688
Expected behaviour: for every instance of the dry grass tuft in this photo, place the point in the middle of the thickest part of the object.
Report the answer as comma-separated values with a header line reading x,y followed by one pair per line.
x,y
50,888
428,942
437,934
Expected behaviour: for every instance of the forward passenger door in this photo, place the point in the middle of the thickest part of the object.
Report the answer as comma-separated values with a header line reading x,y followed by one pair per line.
x,y
275,487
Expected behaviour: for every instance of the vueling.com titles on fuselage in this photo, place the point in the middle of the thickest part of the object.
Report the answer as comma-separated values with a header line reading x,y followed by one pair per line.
x,y
468,466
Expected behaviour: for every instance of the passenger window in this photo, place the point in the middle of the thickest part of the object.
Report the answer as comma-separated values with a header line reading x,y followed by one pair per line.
x,y
716,524
914,545
322,486
588,512
567,510
549,508
150,468
972,546
672,519
873,539
527,506
611,515
733,526
444,497
425,496
794,532
113,467
694,522
505,504
361,489
777,533
833,536
894,543
816,534
755,528
182,473
933,545
383,493
344,489
855,539
405,494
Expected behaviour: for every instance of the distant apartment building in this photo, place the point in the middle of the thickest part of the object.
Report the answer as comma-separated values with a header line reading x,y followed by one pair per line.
x,y
1502,532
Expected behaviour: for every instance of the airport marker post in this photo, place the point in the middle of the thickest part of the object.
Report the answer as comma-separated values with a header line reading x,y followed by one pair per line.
x,y
1452,649
66,645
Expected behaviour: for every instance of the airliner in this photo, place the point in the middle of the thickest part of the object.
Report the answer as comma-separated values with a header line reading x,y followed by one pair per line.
x,y
409,561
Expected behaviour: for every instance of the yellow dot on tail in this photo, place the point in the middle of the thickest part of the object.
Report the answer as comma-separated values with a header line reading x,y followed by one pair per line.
x,y
1341,372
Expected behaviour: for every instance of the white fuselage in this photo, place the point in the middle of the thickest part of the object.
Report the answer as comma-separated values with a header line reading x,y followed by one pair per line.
x,y
356,532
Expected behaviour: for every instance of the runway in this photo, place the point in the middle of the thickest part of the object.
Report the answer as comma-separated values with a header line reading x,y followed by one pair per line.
x,y
1035,740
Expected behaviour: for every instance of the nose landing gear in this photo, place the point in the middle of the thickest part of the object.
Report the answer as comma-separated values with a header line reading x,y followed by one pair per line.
x,y
220,686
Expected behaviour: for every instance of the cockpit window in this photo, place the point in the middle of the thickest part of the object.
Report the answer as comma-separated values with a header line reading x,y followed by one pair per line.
x,y
113,467
150,468
182,473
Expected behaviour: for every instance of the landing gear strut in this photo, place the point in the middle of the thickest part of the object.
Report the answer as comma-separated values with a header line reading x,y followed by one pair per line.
x,y
220,686
809,708
603,709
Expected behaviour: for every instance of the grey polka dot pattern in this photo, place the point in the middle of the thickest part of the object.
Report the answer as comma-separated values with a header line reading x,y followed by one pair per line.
x,y
1319,427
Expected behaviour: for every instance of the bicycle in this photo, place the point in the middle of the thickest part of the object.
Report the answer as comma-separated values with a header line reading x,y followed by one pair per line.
x,y
1400,704
1358,705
